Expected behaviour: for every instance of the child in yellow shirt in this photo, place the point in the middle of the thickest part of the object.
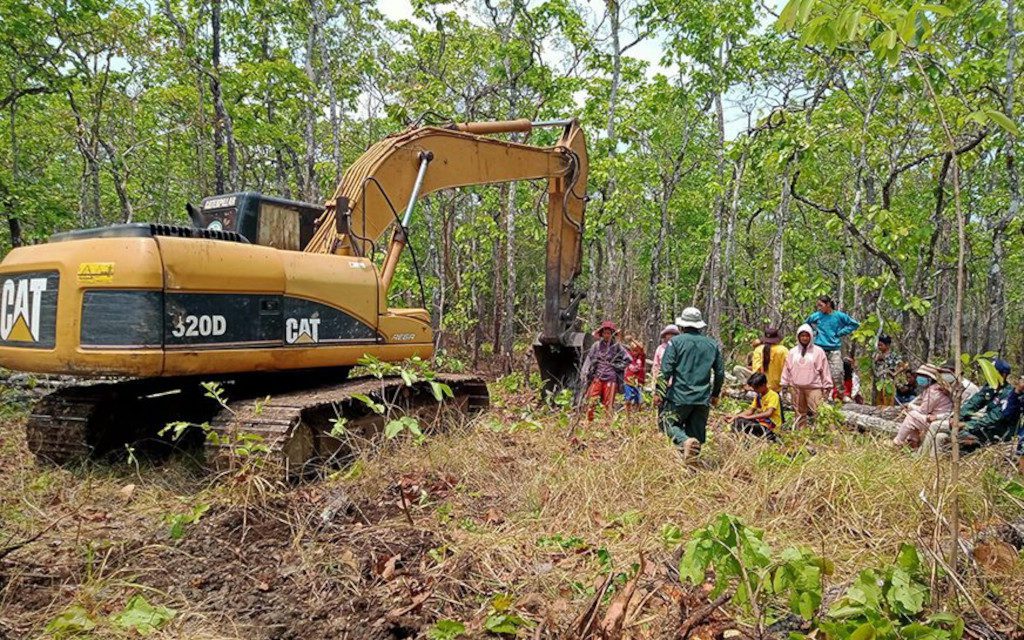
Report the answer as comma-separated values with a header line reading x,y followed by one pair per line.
x,y
764,416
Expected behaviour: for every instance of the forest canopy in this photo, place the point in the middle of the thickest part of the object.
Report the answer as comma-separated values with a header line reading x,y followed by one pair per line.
x,y
774,153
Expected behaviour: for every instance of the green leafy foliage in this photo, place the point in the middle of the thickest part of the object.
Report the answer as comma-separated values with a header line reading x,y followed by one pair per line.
x,y
73,621
501,619
888,604
139,617
142,617
446,630
763,583
180,522
396,427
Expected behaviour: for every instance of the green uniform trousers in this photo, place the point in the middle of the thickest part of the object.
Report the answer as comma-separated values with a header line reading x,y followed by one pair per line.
x,y
683,421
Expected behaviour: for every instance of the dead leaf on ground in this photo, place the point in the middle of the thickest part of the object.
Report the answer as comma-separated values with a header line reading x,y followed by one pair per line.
x,y
493,516
996,555
385,567
417,602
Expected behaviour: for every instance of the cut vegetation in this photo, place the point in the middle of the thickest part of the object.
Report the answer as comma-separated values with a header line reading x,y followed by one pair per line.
x,y
512,525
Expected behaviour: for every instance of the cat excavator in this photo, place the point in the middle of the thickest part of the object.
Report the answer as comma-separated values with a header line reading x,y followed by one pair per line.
x,y
274,301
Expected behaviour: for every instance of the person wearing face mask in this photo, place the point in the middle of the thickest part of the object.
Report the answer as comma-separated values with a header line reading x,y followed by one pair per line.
x,y
934,403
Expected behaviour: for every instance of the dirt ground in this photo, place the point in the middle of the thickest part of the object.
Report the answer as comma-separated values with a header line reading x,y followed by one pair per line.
x,y
518,518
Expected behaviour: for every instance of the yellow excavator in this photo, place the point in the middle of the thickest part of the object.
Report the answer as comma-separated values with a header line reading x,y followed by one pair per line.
x,y
274,297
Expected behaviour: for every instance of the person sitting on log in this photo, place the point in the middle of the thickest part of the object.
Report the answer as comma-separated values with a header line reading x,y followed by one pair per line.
x,y
933,404
743,371
992,414
906,390
851,382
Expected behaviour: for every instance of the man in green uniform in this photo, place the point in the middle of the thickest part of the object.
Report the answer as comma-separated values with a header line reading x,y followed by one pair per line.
x,y
992,414
690,390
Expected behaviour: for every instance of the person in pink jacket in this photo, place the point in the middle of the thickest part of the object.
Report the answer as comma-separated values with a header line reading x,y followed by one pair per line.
x,y
933,404
807,375
669,332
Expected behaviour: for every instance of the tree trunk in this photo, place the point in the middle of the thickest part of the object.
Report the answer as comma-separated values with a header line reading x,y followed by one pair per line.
x,y
995,338
327,79
498,262
730,229
310,192
778,247
654,282
120,173
716,270
223,131
508,328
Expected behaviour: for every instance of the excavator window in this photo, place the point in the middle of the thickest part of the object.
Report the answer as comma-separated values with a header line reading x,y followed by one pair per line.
x,y
265,220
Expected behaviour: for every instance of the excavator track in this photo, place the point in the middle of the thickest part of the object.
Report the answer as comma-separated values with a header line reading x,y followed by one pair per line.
x,y
58,427
81,421
295,428
292,424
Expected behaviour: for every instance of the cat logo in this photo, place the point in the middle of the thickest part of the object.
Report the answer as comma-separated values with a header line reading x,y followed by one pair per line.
x,y
302,330
20,301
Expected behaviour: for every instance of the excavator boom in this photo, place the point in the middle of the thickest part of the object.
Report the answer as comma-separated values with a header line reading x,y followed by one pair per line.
x,y
394,172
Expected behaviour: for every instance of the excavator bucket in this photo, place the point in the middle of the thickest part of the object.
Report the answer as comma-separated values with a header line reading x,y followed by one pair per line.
x,y
560,364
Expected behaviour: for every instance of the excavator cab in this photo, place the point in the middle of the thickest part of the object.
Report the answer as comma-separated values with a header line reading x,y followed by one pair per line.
x,y
263,220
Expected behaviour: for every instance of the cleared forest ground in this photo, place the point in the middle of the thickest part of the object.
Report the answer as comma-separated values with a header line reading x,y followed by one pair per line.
x,y
503,521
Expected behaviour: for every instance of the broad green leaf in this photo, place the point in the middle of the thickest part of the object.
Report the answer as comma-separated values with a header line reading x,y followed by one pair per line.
x,y
906,595
805,10
142,617
74,621
937,9
392,429
374,406
1014,488
788,16
865,631
446,630
986,116
908,558
1003,121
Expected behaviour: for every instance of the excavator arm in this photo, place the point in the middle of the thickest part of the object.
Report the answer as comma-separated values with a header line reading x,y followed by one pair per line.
x,y
387,180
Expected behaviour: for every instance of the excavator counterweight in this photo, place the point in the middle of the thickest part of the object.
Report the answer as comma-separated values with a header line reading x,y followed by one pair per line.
x,y
271,294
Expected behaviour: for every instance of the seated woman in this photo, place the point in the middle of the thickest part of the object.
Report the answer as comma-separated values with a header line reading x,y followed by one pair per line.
x,y
933,404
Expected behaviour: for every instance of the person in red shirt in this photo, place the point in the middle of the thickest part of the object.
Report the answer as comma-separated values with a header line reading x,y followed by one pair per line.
x,y
636,375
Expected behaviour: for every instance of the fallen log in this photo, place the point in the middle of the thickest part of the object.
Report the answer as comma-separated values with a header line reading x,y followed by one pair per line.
x,y
863,417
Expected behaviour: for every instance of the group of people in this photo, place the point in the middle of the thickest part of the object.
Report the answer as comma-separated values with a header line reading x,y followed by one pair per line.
x,y
688,372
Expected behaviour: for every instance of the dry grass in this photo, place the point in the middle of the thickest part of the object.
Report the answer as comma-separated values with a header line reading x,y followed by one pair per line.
x,y
505,504
848,496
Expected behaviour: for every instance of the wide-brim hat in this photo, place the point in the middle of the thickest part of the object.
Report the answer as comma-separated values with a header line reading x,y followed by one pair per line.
x,y
607,324
690,318
669,328
931,371
771,336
